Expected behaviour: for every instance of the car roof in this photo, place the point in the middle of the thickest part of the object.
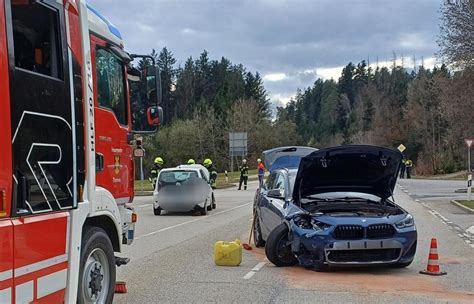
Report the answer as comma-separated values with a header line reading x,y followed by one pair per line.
x,y
179,168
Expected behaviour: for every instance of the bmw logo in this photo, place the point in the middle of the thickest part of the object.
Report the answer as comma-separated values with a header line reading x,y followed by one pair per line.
x,y
364,220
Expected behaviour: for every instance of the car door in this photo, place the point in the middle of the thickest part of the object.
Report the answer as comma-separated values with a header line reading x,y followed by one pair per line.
x,y
276,204
262,203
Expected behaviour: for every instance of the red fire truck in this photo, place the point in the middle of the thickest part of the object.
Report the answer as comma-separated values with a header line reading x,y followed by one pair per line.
x,y
71,103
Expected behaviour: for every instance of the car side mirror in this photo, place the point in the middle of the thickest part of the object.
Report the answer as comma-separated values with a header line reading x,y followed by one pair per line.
x,y
276,193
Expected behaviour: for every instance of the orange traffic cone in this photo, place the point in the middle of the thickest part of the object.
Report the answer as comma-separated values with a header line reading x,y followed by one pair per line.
x,y
120,287
433,265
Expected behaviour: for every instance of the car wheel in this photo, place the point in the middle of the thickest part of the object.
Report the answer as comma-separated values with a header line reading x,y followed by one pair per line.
x,y
157,211
401,265
257,233
203,211
97,268
277,249
213,202
209,208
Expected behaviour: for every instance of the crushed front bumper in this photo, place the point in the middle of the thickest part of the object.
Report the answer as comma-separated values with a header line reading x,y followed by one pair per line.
x,y
313,250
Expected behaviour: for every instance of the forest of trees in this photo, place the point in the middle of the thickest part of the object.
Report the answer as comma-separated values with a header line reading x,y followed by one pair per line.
x,y
430,111
203,101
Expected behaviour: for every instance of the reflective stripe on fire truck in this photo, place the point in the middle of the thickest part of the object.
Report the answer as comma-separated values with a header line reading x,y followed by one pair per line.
x,y
45,285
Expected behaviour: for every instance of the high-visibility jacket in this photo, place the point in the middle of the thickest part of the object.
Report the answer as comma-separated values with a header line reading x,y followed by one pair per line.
x,y
261,169
212,176
155,170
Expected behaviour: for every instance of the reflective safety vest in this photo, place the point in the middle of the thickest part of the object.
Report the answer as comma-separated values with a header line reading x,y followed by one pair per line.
x,y
244,170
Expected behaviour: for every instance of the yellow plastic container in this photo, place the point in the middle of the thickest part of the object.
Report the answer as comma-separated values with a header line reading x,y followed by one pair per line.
x,y
228,253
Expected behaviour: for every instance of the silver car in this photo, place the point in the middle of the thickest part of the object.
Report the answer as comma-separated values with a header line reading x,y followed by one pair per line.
x,y
183,188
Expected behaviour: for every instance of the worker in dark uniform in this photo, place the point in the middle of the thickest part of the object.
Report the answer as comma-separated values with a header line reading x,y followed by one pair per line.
x,y
403,168
212,172
155,170
409,167
244,174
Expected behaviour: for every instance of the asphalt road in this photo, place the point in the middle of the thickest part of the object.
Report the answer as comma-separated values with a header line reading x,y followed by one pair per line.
x,y
172,262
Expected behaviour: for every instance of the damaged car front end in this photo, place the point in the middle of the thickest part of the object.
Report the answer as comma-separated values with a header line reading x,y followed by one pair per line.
x,y
341,212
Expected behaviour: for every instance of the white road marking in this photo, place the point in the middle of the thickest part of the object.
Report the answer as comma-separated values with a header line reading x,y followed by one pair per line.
x,y
249,275
259,266
254,270
191,221
143,206
470,230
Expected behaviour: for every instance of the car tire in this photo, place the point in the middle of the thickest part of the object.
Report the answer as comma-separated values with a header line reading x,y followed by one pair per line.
x,y
209,207
203,211
213,202
257,233
276,249
401,265
97,266
157,211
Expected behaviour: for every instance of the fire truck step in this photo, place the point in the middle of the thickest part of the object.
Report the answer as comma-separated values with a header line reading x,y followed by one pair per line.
x,y
121,261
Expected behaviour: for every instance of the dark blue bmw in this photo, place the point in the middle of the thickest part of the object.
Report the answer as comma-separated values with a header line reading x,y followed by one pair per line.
x,y
333,206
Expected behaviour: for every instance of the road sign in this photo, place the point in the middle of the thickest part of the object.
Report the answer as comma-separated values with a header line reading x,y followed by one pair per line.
x,y
238,144
401,148
468,142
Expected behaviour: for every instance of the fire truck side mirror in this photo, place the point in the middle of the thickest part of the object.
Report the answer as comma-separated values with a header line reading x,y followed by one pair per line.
x,y
153,77
154,116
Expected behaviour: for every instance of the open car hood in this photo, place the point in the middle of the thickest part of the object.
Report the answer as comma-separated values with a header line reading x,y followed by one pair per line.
x,y
366,169
285,157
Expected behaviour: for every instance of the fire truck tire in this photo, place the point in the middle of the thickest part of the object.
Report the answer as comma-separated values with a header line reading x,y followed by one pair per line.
x,y
97,270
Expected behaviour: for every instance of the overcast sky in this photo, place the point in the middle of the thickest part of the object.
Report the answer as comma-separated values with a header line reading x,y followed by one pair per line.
x,y
289,42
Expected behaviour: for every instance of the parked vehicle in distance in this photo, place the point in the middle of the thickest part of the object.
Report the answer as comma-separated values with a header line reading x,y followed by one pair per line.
x,y
183,188
335,208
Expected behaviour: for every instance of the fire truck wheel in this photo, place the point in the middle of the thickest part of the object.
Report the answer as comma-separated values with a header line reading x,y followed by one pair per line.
x,y
97,272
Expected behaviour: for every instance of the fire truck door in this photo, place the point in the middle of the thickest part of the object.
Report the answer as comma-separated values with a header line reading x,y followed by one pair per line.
x,y
114,152
43,148
6,228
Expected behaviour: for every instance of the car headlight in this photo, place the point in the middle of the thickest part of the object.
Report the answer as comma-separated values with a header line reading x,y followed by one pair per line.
x,y
408,221
310,223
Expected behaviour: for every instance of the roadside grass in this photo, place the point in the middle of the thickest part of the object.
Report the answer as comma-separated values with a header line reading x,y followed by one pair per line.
x,y
221,182
461,175
466,203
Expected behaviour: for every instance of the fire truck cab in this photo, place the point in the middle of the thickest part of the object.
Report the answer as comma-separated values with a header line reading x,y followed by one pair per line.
x,y
70,105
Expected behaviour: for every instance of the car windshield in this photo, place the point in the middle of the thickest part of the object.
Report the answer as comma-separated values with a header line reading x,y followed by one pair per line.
x,y
287,161
178,176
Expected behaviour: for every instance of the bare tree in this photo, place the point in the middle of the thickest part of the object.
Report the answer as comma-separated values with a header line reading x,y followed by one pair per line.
x,y
456,38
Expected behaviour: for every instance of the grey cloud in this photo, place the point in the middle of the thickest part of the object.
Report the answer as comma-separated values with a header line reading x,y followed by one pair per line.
x,y
275,36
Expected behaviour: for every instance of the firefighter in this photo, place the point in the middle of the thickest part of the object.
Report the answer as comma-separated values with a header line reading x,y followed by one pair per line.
x,y
244,174
409,166
212,172
191,162
261,172
157,166
403,168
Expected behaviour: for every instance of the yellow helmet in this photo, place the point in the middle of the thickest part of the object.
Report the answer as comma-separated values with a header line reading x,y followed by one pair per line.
x,y
191,161
159,161
207,162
